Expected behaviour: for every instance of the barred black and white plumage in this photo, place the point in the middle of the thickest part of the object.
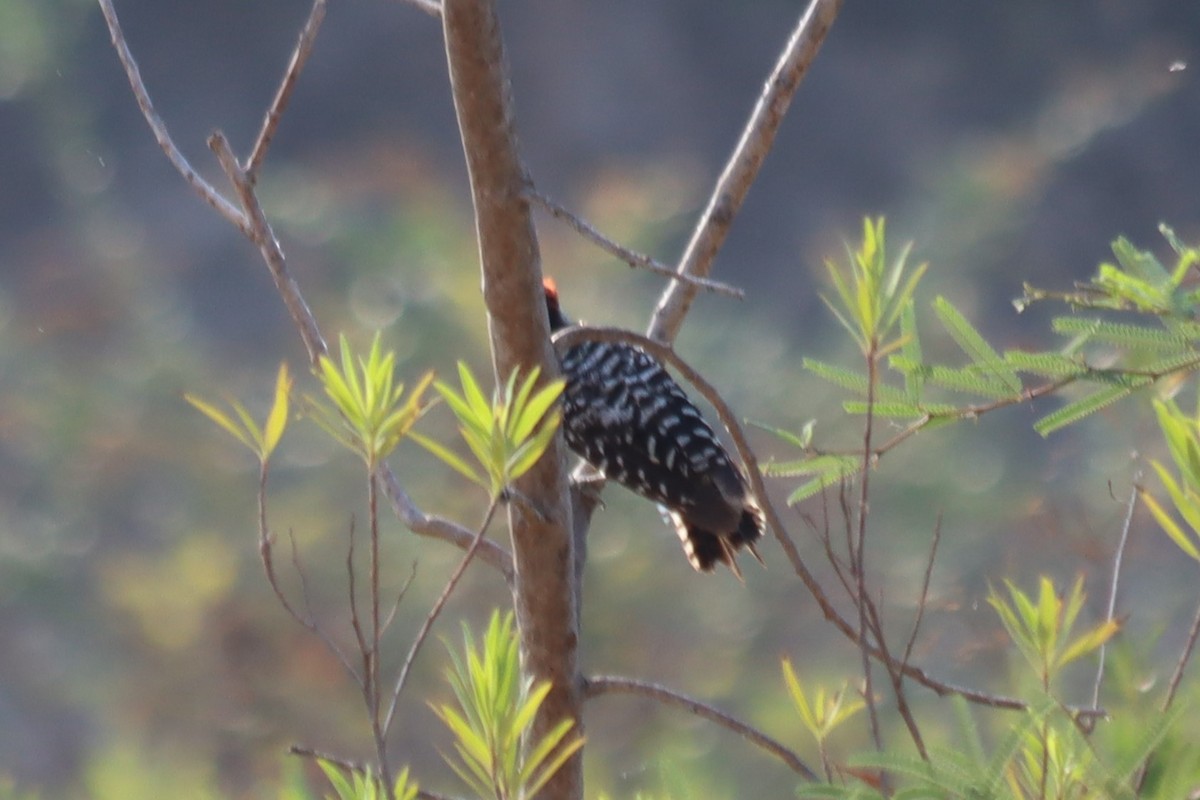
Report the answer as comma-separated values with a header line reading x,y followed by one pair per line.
x,y
625,414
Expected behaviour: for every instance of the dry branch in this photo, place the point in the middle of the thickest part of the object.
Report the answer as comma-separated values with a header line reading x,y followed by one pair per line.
x,y
743,166
607,684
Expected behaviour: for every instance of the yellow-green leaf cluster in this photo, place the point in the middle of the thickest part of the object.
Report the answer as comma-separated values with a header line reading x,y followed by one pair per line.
x,y
261,440
365,786
507,436
1182,435
494,708
824,711
1042,628
366,413
871,294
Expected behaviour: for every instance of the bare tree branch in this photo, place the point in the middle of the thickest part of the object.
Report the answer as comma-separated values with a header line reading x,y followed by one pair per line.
x,y
205,189
608,684
268,246
743,166
308,35
630,257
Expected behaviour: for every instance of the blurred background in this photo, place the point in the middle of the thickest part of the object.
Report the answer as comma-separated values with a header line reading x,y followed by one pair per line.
x,y
139,644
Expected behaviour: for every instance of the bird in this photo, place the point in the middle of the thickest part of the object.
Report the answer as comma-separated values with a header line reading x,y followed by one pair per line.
x,y
624,414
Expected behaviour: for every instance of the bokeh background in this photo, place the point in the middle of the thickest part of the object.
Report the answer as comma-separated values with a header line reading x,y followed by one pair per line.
x,y
140,648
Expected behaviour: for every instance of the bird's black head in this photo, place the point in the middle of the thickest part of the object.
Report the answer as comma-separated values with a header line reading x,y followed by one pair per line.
x,y
557,320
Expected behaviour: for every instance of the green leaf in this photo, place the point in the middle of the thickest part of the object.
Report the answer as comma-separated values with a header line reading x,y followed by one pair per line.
x,y
449,457
1170,527
1077,410
221,419
1132,336
974,345
1052,365
278,416
901,410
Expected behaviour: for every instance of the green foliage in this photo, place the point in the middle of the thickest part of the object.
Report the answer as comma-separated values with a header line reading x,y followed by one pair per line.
x,y
1183,441
1044,754
506,436
495,706
871,294
1042,628
824,712
261,441
366,414
364,785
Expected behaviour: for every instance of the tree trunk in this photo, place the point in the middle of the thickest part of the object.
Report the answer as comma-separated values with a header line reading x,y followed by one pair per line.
x,y
544,595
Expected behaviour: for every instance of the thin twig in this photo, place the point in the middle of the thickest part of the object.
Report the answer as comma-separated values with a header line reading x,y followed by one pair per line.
x,y
205,189
575,335
1184,656
349,765
432,616
743,165
391,617
924,598
608,684
1118,557
304,46
268,246
355,621
619,251
310,621
858,555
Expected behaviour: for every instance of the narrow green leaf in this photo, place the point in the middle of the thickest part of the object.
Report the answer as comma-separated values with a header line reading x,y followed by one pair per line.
x,y
532,410
974,345
1170,527
1077,410
1132,336
853,381
914,382
555,764
449,457
972,379
1089,642
814,486
222,419
1052,365
901,410
278,416
480,407
800,440
249,425
525,456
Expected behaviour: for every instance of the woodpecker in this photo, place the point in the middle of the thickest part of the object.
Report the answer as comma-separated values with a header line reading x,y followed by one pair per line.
x,y
625,415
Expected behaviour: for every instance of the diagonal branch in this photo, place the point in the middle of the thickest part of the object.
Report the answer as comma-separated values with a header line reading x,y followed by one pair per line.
x,y
159,128
630,257
743,166
609,684
308,35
